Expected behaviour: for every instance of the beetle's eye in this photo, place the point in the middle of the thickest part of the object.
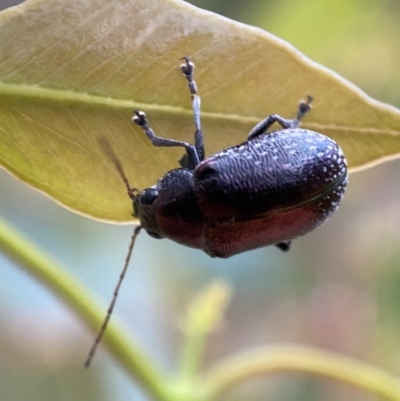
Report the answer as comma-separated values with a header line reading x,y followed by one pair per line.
x,y
148,196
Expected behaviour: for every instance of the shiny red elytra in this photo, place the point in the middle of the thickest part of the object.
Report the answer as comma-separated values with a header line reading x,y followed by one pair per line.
x,y
268,190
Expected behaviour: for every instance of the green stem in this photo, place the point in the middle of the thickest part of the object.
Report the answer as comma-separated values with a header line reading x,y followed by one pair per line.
x,y
192,355
288,358
79,298
205,313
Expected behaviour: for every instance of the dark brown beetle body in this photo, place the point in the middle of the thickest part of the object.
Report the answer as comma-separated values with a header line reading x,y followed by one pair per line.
x,y
268,190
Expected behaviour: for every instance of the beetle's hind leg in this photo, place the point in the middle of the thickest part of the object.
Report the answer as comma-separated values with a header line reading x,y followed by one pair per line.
x,y
261,127
139,118
187,69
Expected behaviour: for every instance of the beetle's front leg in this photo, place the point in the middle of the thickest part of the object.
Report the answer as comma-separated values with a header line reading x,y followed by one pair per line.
x,y
187,69
139,118
261,127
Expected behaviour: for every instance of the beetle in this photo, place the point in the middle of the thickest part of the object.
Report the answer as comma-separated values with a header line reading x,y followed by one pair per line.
x,y
265,191
268,190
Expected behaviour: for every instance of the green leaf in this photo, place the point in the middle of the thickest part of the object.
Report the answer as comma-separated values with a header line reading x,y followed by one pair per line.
x,y
74,71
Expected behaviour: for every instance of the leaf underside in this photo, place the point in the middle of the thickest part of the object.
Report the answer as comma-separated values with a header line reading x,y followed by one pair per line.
x,y
74,71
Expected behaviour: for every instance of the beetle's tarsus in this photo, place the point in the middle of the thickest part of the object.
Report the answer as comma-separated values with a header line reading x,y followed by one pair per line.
x,y
139,118
187,68
304,107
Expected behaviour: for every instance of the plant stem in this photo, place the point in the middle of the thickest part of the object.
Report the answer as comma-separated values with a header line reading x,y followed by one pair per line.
x,y
192,355
79,298
204,315
289,358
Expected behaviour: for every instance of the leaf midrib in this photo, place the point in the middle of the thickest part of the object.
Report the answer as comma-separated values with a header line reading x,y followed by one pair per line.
x,y
72,98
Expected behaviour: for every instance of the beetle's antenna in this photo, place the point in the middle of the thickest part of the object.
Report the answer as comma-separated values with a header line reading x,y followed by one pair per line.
x,y
108,150
114,299
133,194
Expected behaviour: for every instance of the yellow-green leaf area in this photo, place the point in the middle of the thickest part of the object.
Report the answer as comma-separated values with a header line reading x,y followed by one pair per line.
x,y
72,72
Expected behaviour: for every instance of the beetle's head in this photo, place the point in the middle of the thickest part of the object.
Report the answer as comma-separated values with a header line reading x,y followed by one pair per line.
x,y
144,209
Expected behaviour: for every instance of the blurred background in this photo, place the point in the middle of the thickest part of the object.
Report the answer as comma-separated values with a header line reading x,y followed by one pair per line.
x,y
338,288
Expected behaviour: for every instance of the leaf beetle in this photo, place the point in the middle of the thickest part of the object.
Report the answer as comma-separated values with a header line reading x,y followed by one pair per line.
x,y
271,188
268,190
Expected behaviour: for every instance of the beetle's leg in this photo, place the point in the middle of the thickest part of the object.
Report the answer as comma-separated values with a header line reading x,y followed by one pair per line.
x,y
284,246
187,69
261,127
139,118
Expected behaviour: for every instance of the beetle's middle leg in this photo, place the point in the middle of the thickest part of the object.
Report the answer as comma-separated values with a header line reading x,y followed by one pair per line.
x,y
187,69
261,127
139,118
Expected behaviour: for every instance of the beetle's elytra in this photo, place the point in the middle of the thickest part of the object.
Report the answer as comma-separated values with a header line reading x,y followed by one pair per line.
x,y
268,190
